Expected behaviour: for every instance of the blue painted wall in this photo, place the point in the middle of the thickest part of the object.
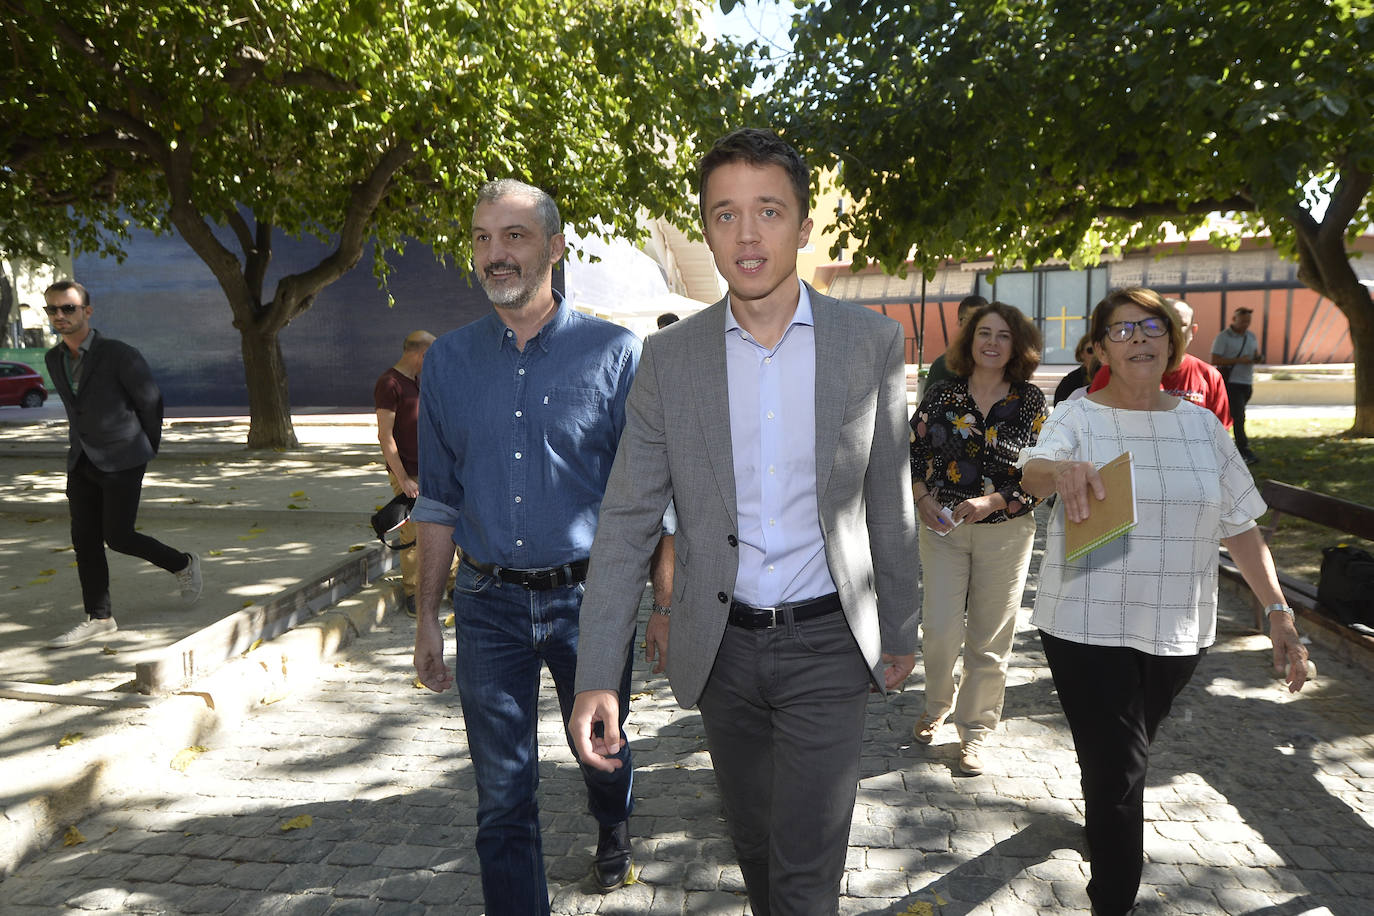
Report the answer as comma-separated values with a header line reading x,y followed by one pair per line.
x,y
164,300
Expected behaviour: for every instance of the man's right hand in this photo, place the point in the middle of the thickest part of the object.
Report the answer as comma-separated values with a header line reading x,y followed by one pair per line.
x,y
590,709
410,487
429,654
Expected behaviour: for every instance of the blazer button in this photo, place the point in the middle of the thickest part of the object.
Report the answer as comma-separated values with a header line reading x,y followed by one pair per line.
x,y
734,541
722,597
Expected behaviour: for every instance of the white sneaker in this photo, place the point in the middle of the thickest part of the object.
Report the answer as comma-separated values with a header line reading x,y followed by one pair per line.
x,y
90,628
190,581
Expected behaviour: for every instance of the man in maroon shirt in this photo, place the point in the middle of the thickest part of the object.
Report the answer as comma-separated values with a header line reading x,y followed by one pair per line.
x,y
397,398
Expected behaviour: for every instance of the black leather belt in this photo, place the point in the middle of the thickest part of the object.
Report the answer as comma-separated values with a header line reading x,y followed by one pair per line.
x,y
534,579
761,618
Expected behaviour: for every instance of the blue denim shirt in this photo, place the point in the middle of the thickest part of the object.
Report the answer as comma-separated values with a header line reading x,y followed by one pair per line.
x,y
516,446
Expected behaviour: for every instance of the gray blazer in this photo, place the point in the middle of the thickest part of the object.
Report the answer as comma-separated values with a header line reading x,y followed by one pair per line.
x,y
115,415
677,444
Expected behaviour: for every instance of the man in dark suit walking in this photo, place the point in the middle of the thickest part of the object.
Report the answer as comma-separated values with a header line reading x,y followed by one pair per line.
x,y
114,410
776,422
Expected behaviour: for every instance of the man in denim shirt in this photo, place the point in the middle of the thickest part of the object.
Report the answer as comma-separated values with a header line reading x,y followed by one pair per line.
x,y
520,415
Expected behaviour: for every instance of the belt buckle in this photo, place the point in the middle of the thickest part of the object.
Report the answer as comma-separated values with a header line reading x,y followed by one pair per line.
x,y
772,615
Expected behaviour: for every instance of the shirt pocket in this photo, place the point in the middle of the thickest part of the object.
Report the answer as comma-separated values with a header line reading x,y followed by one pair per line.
x,y
575,422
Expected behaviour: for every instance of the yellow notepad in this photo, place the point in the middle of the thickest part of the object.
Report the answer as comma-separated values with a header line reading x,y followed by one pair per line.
x,y
1109,518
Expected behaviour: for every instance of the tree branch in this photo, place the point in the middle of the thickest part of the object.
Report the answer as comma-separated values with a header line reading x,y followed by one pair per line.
x,y
1232,204
295,293
1351,189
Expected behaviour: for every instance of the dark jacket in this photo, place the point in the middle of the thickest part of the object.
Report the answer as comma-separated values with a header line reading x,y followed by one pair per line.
x,y
115,416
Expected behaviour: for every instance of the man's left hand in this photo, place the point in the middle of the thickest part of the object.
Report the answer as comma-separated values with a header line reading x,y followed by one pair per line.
x,y
590,709
896,668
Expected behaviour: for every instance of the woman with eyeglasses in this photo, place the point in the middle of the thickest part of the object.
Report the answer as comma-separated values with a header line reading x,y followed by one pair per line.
x,y
1124,626
976,527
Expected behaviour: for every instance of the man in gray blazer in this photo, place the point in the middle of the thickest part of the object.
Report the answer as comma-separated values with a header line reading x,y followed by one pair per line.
x,y
776,420
114,409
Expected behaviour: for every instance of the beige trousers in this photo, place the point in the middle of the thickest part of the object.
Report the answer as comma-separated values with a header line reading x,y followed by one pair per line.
x,y
410,557
981,568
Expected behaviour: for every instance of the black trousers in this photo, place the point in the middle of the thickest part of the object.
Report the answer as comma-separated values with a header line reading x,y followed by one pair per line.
x,y
1114,698
1239,396
104,509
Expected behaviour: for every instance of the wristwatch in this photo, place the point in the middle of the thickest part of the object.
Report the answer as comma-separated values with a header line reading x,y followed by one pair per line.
x,y
665,609
1279,606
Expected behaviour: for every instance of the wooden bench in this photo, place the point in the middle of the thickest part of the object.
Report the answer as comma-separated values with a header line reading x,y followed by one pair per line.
x,y
1342,517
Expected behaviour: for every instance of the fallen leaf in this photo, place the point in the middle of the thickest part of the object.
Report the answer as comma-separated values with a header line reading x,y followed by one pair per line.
x,y
214,553
299,494
256,644
69,739
631,877
417,684
35,521
276,697
256,530
356,547
919,908
72,837
448,621
39,581
47,572
247,537
246,604
299,822
187,756
108,651
294,506
646,695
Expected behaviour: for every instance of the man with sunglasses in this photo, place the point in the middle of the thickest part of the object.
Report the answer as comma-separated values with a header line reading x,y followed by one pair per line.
x,y
1194,380
114,411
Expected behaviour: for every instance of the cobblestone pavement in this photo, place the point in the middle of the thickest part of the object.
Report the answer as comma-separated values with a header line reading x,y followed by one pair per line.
x,y
1259,803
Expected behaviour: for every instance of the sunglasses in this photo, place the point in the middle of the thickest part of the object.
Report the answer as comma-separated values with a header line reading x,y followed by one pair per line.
x,y
52,310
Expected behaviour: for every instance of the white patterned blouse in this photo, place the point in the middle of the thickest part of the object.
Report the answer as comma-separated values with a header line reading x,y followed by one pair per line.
x,y
1155,588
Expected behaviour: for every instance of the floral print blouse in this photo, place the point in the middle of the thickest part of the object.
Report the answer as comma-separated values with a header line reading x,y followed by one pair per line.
x,y
960,454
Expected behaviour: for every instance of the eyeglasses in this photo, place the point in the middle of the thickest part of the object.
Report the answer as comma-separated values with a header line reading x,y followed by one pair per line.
x,y
52,310
1125,330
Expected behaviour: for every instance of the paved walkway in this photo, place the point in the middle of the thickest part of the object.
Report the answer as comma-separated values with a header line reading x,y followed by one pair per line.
x,y
1260,803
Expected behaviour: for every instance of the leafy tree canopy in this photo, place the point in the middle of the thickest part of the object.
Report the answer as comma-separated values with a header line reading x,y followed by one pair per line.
x,y
1035,129
348,120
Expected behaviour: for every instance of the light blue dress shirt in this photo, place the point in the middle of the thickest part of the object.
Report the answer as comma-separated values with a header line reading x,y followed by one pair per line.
x,y
773,437
516,445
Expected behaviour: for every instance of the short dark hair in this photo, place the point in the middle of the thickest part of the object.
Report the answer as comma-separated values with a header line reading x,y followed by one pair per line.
x,y
666,319
61,286
1025,343
1148,300
756,147
968,304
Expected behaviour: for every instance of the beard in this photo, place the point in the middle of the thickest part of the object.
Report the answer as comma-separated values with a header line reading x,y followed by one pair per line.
x,y
513,296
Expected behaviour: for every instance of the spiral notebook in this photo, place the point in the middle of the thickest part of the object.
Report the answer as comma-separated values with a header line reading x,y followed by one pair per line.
x,y
1109,518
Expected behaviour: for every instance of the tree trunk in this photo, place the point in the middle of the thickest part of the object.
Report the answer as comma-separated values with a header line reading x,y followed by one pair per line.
x,y
1361,316
269,399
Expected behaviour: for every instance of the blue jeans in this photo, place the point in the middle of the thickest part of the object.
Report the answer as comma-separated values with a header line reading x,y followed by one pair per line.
x,y
505,632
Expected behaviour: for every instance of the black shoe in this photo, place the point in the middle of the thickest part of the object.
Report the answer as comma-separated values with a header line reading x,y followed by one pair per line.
x,y
612,864
410,605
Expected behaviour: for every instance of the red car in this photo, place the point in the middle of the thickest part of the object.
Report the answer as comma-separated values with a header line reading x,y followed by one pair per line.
x,y
21,385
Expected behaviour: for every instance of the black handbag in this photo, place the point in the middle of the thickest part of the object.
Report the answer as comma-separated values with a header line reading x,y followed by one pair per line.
x,y
1346,586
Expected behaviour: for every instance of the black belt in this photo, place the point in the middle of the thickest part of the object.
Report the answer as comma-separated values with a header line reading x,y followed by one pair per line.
x,y
761,618
534,579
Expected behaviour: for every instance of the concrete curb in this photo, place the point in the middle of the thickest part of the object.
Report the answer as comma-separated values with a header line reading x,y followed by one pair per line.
x,y
129,752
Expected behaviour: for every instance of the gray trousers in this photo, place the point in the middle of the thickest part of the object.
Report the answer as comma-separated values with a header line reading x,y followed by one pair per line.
x,y
784,716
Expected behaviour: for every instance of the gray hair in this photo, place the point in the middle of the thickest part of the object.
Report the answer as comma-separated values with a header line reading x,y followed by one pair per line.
x,y
544,205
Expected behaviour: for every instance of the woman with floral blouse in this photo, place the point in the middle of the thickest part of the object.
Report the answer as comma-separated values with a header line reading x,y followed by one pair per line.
x,y
976,522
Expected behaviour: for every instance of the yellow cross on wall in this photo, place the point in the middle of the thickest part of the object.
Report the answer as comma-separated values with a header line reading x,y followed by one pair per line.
x,y
1064,318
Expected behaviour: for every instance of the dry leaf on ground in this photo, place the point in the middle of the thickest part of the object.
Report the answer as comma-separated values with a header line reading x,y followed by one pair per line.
x,y
299,822
186,756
